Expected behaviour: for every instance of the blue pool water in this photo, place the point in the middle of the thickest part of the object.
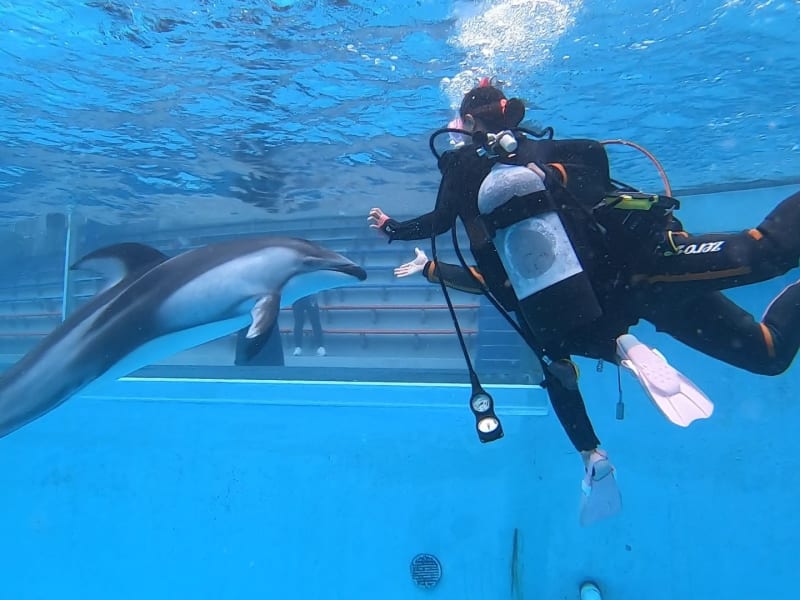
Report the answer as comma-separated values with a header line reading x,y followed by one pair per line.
x,y
176,120
133,109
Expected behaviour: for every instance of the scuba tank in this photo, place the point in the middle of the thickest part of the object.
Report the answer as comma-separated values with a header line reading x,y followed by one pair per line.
x,y
543,267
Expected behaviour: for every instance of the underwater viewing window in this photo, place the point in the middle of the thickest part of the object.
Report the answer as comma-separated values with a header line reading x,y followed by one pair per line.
x,y
383,329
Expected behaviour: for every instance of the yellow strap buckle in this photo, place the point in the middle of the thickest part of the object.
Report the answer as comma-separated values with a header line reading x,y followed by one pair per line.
x,y
629,202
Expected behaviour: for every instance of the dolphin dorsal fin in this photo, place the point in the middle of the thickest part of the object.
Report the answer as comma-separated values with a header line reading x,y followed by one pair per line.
x,y
119,261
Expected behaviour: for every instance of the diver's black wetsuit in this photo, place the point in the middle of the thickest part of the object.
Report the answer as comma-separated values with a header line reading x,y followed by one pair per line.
x,y
660,274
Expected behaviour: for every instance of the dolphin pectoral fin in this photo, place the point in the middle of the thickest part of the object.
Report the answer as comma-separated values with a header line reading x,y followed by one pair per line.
x,y
118,261
264,314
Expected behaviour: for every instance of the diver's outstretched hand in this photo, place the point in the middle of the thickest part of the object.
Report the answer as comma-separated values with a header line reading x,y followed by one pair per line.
x,y
377,218
415,266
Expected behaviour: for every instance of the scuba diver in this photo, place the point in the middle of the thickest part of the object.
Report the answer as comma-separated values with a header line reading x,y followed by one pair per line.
x,y
579,258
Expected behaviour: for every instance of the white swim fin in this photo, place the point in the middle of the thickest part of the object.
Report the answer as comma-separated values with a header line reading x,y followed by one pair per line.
x,y
601,498
681,401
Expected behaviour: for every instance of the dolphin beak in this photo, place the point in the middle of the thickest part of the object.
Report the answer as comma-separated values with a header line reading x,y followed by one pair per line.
x,y
333,261
353,270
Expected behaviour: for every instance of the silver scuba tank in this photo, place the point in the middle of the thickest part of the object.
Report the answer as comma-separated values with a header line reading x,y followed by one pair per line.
x,y
541,262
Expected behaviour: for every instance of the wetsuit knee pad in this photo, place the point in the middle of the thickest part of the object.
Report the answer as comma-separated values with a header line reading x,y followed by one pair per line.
x,y
781,225
779,248
565,372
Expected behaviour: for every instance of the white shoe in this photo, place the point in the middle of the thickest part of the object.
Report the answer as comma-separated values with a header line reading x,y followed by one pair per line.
x,y
297,351
321,351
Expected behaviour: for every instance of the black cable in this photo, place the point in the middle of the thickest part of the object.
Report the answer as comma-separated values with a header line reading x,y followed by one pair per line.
x,y
472,374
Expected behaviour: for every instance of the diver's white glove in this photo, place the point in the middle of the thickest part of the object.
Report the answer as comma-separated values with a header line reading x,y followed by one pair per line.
x,y
415,266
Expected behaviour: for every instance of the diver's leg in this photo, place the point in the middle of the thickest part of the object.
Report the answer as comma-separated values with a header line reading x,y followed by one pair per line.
x,y
715,325
561,383
601,498
719,261
570,409
782,322
781,227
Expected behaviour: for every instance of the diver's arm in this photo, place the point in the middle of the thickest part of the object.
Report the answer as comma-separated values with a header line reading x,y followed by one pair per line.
x,y
419,228
454,276
436,222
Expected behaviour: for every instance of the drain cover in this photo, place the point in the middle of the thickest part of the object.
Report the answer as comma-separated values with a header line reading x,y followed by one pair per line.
x,y
426,570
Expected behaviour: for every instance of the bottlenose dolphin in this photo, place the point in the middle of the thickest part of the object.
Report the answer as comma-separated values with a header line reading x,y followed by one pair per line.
x,y
159,306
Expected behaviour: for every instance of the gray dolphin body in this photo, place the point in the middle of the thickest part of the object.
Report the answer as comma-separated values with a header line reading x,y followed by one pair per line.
x,y
160,306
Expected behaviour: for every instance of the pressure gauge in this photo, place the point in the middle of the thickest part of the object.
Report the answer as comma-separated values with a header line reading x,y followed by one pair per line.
x,y
481,403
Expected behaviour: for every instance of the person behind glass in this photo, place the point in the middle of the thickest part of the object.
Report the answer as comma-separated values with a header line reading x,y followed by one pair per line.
x,y
263,350
611,264
307,306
